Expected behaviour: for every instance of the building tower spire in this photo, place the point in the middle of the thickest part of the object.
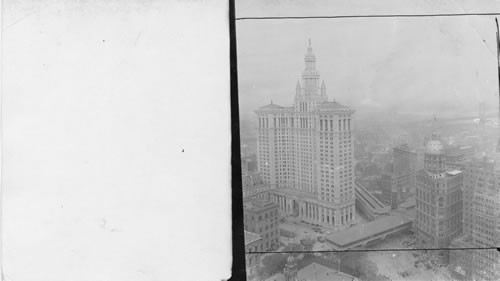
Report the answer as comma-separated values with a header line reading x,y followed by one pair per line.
x,y
323,88
310,76
297,89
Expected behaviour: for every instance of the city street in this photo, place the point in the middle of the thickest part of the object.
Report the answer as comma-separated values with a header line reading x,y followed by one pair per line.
x,y
405,265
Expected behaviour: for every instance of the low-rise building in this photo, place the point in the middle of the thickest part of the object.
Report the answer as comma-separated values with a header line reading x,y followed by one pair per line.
x,y
254,186
374,231
252,244
261,217
458,156
313,271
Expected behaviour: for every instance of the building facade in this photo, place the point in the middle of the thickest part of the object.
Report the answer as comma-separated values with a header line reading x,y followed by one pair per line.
x,y
253,243
486,225
254,187
476,172
305,153
481,224
458,156
405,163
394,188
438,202
261,218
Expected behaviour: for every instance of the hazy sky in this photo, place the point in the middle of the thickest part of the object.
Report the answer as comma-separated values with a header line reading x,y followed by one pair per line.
x,y
426,65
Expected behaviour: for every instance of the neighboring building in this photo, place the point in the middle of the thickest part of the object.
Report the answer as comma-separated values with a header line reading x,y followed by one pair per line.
x,y
458,156
405,162
313,271
420,158
439,202
261,217
253,243
395,188
486,226
254,187
481,224
402,139
305,154
476,171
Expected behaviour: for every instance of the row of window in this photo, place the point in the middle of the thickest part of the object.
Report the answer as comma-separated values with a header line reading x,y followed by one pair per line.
x,y
263,246
328,125
325,125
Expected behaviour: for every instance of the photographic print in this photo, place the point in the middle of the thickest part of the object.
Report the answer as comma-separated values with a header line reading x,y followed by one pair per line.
x,y
369,145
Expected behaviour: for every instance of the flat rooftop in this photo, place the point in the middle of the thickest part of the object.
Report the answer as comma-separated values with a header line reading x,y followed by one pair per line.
x,y
362,231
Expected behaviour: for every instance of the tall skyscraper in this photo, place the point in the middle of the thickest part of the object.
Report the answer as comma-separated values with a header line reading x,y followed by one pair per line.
x,y
394,187
439,201
405,160
486,227
405,167
486,211
481,224
477,173
481,215
305,153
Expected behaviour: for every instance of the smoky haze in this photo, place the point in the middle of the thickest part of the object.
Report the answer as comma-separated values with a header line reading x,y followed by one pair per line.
x,y
419,66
